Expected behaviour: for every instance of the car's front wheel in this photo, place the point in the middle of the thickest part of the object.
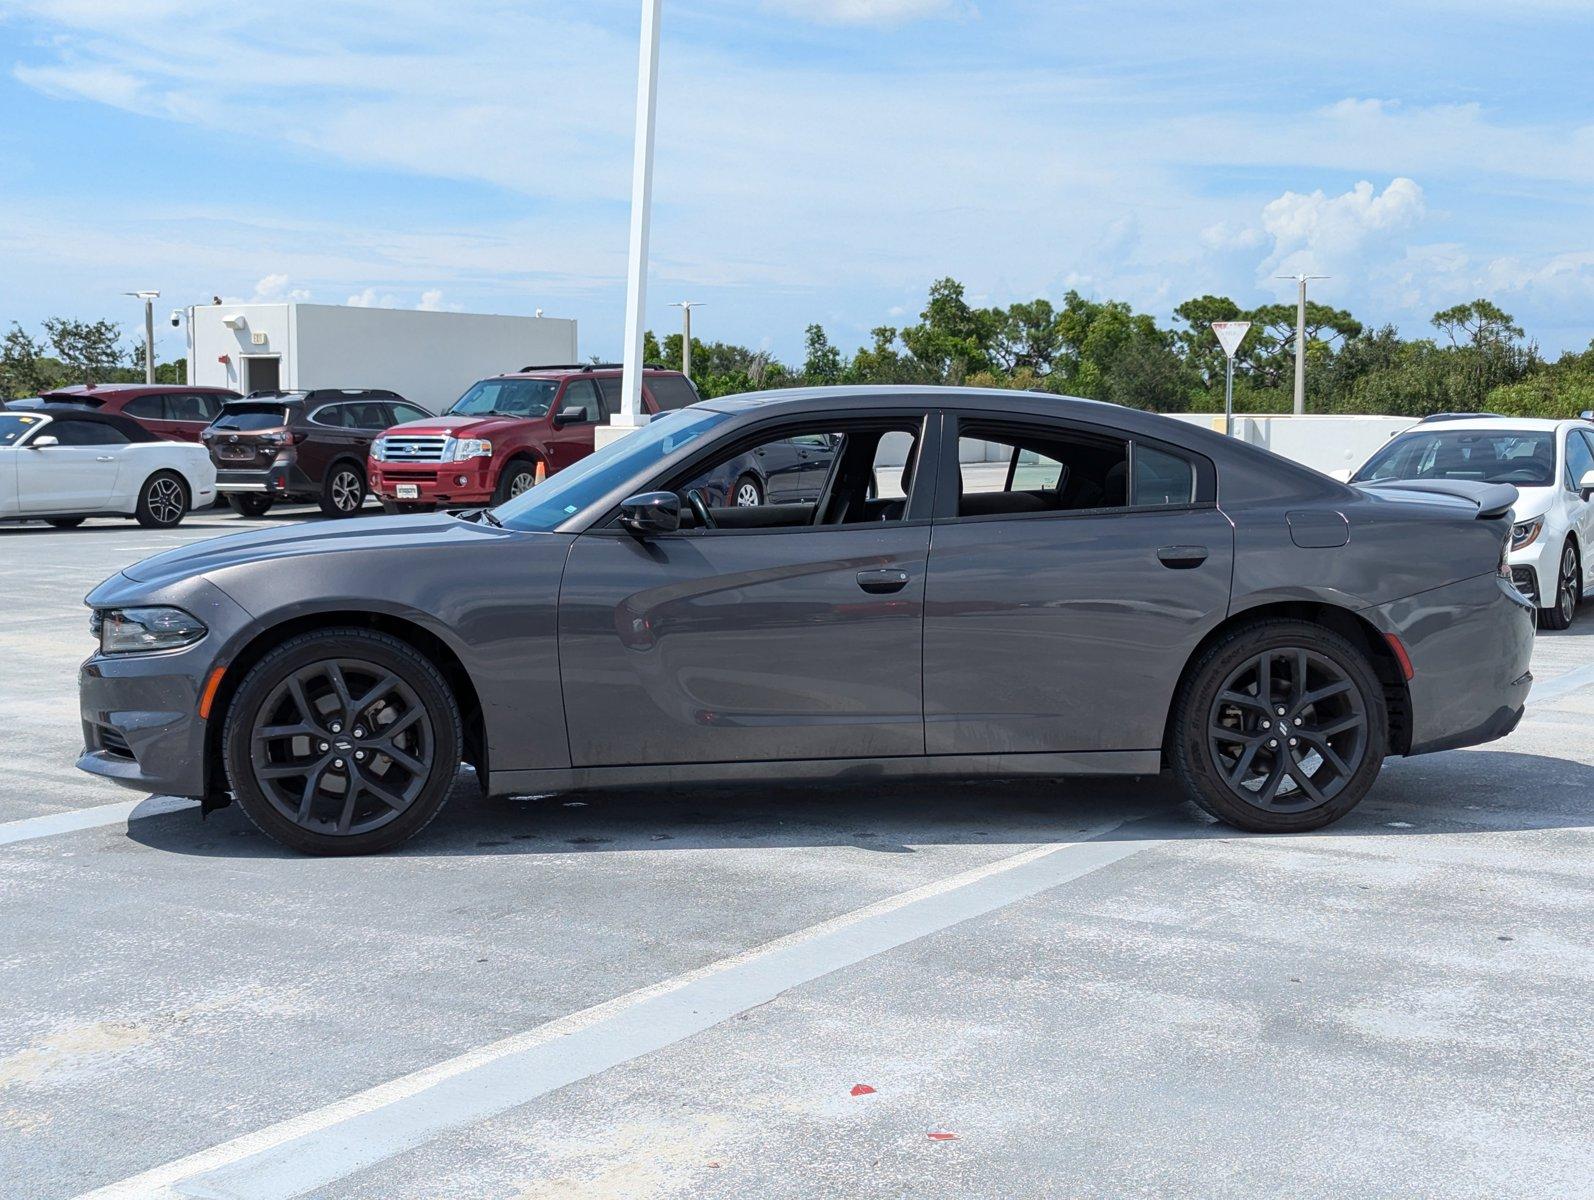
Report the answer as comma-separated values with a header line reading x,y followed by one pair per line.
x,y
519,477
748,493
162,501
342,741
1568,591
1280,727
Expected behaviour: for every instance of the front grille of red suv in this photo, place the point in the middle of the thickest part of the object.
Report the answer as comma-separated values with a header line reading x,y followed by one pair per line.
x,y
397,448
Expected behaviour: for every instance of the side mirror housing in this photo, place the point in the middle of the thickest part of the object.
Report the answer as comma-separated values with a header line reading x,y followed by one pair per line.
x,y
43,440
651,513
1585,486
570,414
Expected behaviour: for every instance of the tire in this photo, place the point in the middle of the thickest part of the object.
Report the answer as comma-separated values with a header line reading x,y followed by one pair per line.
x,y
518,476
247,504
334,806
162,501
1568,590
1345,731
748,492
343,491
64,522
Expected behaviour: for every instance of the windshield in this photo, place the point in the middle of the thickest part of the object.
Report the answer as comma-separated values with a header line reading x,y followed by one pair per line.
x,y
559,497
507,398
12,427
1523,457
251,416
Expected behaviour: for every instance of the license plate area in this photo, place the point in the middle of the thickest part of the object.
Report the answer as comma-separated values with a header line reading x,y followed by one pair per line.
x,y
408,491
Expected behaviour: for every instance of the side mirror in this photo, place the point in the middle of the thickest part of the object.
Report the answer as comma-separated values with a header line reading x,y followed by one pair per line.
x,y
570,414
1585,486
43,440
651,513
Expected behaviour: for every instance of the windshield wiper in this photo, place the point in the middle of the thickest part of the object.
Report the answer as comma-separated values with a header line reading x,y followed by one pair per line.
x,y
483,515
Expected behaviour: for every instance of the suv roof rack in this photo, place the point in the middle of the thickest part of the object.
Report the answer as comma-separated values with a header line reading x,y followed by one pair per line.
x,y
586,366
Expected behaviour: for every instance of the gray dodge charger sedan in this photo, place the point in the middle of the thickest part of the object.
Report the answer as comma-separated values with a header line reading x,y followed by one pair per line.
x,y
988,583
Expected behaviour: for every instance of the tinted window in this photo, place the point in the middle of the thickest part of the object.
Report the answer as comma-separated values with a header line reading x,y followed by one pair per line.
x,y
84,433
191,406
245,417
334,415
1005,471
1161,478
1522,457
609,389
367,415
12,427
581,398
671,391
1579,458
146,408
407,412
508,398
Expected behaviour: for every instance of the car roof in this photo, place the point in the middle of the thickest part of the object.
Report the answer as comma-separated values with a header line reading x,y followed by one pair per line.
x,y
1503,424
130,389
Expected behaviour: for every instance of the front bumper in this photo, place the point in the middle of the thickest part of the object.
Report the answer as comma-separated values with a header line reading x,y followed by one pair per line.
x,y
449,483
1533,570
1470,644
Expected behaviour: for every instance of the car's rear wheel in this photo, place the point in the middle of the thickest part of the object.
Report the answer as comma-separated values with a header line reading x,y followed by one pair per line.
x,y
1280,727
162,501
748,493
247,504
64,522
343,492
519,476
1568,591
342,741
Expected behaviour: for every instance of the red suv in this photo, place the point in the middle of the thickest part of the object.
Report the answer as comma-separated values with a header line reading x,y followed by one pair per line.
x,y
173,412
505,432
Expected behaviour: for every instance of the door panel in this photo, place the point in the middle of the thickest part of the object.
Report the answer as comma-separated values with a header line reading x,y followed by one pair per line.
x,y
1066,633
67,478
744,646
573,440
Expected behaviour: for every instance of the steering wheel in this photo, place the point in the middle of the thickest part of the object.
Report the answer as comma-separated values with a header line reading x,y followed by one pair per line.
x,y
700,510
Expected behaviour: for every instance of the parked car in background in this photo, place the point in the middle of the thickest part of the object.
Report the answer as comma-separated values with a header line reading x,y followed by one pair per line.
x,y
1550,463
506,432
301,446
1130,594
178,413
62,465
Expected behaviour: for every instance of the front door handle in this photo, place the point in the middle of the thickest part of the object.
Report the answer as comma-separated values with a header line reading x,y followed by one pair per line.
x,y
1182,558
882,583
105,458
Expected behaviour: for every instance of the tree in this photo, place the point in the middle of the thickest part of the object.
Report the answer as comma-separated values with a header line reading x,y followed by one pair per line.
x,y
952,340
821,360
90,349
1480,324
1027,337
24,371
1199,346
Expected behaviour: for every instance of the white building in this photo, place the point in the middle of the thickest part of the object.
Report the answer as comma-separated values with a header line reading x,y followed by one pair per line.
x,y
427,357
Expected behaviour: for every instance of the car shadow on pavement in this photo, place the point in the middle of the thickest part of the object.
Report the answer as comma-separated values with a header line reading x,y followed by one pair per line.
x,y
1459,792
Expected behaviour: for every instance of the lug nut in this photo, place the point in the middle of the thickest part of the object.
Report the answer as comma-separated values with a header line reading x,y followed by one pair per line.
x,y
338,763
1297,720
358,732
337,728
1273,742
359,756
1265,725
1292,741
325,746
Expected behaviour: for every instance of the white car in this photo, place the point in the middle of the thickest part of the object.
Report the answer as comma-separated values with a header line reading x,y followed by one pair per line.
x,y
64,465
1550,463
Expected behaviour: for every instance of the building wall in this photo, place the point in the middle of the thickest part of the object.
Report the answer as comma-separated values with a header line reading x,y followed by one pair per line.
x,y
428,357
1328,443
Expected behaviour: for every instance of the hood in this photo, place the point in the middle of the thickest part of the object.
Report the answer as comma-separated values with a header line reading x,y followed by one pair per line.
x,y
459,425
1532,502
419,532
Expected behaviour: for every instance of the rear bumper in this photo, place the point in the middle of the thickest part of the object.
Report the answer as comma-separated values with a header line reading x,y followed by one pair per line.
x,y
1470,644
279,479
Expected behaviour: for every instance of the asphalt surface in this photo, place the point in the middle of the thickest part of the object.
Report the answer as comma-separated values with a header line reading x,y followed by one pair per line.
x,y
1093,990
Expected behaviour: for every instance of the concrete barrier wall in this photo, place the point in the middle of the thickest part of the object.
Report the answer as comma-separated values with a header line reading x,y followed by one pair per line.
x,y
1328,443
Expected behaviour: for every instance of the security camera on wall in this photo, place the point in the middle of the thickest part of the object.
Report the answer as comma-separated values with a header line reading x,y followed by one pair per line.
x,y
177,316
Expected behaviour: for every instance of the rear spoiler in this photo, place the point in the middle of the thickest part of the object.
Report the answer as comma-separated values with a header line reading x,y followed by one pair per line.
x,y
1493,499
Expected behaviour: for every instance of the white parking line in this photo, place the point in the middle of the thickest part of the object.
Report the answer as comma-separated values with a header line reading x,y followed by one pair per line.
x,y
1562,685
29,828
333,1142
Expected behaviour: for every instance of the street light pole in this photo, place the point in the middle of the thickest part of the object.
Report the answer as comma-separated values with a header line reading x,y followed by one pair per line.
x,y
686,307
149,299
1300,340
636,281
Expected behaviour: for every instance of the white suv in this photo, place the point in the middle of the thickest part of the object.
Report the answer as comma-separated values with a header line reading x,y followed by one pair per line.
x,y
1550,463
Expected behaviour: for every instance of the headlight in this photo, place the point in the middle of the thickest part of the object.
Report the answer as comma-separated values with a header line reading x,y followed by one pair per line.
x,y
131,630
1525,533
379,449
471,448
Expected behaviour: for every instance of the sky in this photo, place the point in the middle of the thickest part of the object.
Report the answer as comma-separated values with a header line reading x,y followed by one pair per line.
x,y
817,160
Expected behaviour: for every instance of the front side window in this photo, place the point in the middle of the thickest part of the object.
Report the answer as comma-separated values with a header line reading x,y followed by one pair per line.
x,y
407,412
579,405
508,398
1525,458
1005,471
85,433
1579,459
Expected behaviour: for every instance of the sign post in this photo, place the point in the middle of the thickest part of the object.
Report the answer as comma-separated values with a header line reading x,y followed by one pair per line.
x,y
1230,335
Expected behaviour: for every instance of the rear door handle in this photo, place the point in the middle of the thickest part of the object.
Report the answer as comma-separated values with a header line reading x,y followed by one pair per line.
x,y
105,458
881,583
1182,558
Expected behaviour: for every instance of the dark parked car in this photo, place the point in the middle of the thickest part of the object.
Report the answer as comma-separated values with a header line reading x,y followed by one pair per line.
x,y
1057,587
173,412
301,446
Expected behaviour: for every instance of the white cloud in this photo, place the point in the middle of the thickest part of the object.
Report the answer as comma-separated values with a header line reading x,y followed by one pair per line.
x,y
274,288
432,301
1320,234
369,299
870,12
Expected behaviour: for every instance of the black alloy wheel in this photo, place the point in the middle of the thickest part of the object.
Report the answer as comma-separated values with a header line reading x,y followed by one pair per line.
x,y
1282,727
342,742
163,502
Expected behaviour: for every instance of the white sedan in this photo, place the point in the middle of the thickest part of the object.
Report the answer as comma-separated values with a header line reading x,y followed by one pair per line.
x,y
1550,463
65,465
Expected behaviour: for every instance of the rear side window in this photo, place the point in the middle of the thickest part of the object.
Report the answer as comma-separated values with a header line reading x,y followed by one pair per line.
x,y
191,406
334,415
248,417
367,414
146,408
671,391
1161,478
1006,470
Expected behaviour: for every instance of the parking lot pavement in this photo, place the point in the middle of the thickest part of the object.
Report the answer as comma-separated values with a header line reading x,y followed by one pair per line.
x,y
677,993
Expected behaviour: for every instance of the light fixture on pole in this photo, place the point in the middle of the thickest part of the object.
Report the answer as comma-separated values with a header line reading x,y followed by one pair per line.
x,y
636,279
1300,340
149,299
686,307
